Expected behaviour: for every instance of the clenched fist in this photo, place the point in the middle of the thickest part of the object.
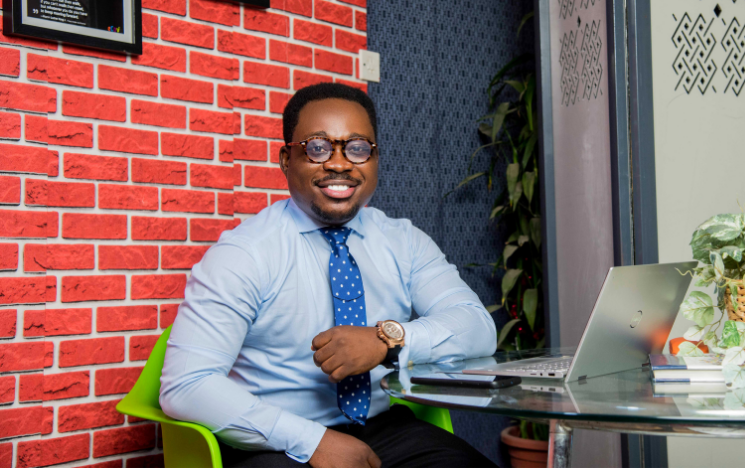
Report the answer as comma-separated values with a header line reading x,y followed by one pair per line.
x,y
346,350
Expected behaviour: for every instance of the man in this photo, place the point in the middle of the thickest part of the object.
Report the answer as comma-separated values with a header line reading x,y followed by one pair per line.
x,y
276,347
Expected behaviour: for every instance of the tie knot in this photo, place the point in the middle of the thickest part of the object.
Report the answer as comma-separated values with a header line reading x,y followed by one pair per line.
x,y
336,235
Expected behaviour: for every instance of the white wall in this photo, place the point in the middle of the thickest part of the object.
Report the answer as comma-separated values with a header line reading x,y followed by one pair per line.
x,y
699,158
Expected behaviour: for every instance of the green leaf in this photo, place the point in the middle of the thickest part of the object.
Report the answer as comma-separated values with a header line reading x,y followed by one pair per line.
x,y
731,251
493,308
466,181
518,86
734,375
513,237
716,259
687,348
694,333
512,173
530,304
734,356
730,334
522,240
735,399
505,69
485,129
473,155
505,331
700,246
508,251
496,211
508,282
699,308
525,19
518,193
528,184
498,121
524,223
705,277
529,147
529,93
725,227
535,231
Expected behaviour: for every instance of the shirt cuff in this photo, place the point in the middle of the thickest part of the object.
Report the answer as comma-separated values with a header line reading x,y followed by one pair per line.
x,y
417,349
299,436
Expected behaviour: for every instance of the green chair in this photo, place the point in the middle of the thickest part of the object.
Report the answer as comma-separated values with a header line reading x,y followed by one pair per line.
x,y
187,444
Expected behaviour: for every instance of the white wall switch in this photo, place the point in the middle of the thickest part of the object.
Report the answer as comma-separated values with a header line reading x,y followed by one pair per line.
x,y
369,66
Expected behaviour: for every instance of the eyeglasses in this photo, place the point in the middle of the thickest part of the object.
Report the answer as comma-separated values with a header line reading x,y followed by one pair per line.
x,y
320,149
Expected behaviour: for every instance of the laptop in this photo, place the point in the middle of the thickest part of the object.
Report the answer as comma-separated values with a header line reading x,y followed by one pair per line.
x,y
631,319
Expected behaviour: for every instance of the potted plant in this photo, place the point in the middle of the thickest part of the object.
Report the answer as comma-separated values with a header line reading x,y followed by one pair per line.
x,y
719,244
511,142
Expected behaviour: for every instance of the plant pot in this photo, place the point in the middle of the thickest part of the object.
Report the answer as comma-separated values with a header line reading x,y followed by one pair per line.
x,y
524,453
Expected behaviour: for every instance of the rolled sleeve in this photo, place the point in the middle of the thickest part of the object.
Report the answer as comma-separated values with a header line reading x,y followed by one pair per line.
x,y
453,323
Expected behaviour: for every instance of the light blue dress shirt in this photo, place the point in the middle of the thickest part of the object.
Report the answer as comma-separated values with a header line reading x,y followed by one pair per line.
x,y
239,360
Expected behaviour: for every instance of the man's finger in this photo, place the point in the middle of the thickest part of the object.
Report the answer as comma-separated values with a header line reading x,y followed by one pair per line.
x,y
321,340
374,461
339,374
331,364
320,356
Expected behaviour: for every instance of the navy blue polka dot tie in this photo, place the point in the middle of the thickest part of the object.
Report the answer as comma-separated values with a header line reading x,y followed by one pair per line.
x,y
349,309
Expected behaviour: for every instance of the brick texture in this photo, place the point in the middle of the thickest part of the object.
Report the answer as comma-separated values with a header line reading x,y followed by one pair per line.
x,y
123,440
53,451
116,176
117,380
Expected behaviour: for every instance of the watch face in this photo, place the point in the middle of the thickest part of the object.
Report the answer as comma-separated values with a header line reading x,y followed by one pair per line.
x,y
393,330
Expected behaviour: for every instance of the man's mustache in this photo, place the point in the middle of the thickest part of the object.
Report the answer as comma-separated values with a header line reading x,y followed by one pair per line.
x,y
339,177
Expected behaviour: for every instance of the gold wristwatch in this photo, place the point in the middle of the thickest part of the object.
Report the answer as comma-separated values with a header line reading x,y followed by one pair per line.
x,y
392,334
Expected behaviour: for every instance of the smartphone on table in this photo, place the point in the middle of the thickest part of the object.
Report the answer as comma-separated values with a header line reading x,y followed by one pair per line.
x,y
462,380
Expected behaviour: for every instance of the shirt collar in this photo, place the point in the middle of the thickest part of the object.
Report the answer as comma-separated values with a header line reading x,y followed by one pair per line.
x,y
305,223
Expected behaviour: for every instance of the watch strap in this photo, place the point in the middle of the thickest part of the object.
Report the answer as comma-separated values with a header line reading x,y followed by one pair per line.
x,y
391,357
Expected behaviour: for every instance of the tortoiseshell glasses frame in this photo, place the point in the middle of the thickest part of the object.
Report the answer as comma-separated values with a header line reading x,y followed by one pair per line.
x,y
322,152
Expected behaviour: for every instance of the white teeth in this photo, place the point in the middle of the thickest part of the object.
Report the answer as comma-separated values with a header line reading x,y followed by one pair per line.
x,y
338,188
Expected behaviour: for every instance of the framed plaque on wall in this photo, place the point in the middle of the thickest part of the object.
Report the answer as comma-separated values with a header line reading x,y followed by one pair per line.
x,y
114,25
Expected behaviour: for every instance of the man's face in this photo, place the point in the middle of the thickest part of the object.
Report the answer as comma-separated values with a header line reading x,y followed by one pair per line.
x,y
309,182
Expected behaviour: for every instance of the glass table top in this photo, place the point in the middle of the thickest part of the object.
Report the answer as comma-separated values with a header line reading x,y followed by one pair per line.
x,y
627,397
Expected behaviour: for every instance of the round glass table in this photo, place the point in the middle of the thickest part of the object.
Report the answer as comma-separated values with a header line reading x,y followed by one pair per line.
x,y
626,402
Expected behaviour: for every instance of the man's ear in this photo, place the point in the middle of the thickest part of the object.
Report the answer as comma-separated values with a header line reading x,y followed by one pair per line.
x,y
284,159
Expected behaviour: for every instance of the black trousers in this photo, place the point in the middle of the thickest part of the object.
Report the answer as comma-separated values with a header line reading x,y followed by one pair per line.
x,y
396,436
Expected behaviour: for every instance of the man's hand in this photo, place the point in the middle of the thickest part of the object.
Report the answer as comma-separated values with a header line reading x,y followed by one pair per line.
x,y
346,350
338,450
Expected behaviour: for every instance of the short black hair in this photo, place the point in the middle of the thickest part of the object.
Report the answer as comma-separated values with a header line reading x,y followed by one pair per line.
x,y
321,91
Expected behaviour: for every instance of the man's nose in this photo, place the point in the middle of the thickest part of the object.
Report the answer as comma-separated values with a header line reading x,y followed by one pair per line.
x,y
337,162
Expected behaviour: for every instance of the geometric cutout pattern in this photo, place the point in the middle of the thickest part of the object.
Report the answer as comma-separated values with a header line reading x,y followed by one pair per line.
x,y
581,65
694,64
733,68
568,58
592,68
567,6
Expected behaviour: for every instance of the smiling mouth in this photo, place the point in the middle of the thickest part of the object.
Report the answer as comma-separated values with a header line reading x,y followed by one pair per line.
x,y
338,191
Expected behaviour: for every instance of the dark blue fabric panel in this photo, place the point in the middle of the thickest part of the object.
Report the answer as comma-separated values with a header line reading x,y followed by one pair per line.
x,y
437,58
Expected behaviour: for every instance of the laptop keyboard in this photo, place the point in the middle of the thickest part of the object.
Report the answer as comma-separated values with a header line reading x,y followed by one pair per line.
x,y
550,366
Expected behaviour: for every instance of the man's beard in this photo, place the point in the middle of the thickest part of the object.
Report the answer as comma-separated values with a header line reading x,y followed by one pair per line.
x,y
335,219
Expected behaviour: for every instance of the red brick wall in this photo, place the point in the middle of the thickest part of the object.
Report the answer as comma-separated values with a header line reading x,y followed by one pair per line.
x,y
116,174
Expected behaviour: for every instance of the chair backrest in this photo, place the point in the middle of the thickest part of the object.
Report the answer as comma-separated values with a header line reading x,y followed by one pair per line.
x,y
143,400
